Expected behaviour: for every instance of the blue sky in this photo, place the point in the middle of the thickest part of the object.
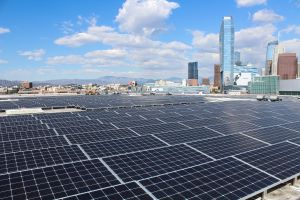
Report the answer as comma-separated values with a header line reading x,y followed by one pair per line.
x,y
54,39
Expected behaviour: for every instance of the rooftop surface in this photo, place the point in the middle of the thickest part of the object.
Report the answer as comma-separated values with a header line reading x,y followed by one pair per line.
x,y
153,147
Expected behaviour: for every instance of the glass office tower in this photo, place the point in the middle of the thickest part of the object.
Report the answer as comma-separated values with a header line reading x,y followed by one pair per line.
x,y
269,57
193,70
226,40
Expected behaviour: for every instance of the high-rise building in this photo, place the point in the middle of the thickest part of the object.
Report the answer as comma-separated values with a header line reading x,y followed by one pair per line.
x,y
269,57
226,42
205,81
192,74
277,50
193,70
298,70
287,66
237,58
217,76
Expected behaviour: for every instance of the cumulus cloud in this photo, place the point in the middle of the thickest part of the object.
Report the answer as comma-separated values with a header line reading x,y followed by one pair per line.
x,y
35,55
291,29
266,16
206,42
144,17
4,30
248,3
2,61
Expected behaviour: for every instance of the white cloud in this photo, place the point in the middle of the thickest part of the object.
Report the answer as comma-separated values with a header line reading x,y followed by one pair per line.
x,y
144,17
3,61
267,16
291,28
292,46
206,42
248,3
4,30
35,55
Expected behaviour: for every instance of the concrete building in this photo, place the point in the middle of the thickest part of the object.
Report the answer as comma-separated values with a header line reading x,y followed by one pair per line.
x,y
287,66
26,85
226,45
269,56
217,76
289,87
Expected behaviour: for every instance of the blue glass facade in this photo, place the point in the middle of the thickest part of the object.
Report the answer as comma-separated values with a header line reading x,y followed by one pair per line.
x,y
270,50
226,41
193,70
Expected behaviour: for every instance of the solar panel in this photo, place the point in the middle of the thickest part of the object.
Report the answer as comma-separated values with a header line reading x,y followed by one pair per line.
x,y
227,145
234,127
19,123
98,136
158,128
281,160
31,143
202,122
294,126
26,134
289,117
267,121
128,191
120,119
296,141
136,123
179,118
144,164
56,181
121,146
63,124
273,134
29,127
83,129
19,161
236,118
66,119
222,179
187,135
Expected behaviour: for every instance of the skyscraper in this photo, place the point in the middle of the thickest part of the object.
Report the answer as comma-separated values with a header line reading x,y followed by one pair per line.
x,y
193,73
237,58
269,56
226,40
287,66
277,50
217,76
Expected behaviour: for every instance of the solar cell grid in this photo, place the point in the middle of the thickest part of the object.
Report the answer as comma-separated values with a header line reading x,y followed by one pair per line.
x,y
141,165
240,117
162,115
120,146
296,141
26,134
273,134
19,161
234,127
158,128
28,127
222,179
63,124
294,126
289,117
19,123
30,144
57,181
120,119
179,118
202,122
281,160
227,145
129,191
267,121
84,129
136,123
66,119
182,136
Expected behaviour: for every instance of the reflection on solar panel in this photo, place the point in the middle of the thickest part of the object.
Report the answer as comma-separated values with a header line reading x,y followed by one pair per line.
x,y
158,128
222,179
203,122
289,117
230,128
20,161
227,145
74,123
267,121
129,191
98,136
57,181
294,126
296,141
31,143
182,136
180,118
281,160
141,165
273,134
120,146
30,127
136,123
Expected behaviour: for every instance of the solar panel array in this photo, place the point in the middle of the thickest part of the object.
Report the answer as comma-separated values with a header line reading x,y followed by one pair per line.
x,y
174,150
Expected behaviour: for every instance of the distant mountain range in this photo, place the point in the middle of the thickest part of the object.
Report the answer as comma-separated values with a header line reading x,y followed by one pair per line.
x,y
101,81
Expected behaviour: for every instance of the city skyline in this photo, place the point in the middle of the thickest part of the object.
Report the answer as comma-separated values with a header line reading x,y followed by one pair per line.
x,y
136,38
